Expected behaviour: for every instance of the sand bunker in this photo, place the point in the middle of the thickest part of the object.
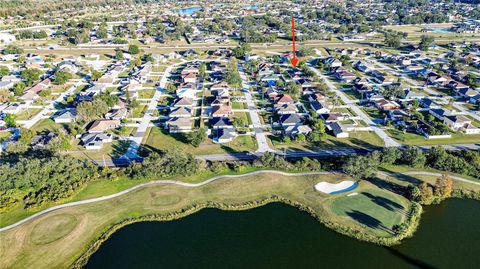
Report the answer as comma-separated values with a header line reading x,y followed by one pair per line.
x,y
340,187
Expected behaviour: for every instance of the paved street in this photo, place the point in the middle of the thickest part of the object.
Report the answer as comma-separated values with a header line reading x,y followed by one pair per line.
x,y
257,124
389,142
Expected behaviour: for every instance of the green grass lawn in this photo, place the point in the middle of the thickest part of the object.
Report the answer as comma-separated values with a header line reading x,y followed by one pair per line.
x,y
416,139
27,113
374,113
5,135
138,111
376,209
109,151
356,140
244,115
146,93
354,95
46,125
239,105
159,139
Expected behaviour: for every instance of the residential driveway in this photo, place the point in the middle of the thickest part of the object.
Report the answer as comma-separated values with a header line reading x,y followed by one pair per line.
x,y
252,109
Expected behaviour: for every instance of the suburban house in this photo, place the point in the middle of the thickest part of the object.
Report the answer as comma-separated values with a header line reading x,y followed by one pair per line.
x,y
179,125
187,90
66,116
96,141
340,130
295,130
460,123
100,126
282,99
32,93
384,104
222,111
285,108
290,120
180,112
183,102
189,78
220,123
224,135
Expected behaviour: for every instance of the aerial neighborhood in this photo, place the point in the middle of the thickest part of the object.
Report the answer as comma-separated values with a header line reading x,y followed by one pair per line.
x,y
359,113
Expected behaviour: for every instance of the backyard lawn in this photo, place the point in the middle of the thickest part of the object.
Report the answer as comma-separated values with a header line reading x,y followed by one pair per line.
x,y
146,93
27,113
138,111
356,140
416,139
109,151
160,139
46,125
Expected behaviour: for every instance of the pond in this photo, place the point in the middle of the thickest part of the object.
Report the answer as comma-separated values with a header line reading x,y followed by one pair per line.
x,y
280,236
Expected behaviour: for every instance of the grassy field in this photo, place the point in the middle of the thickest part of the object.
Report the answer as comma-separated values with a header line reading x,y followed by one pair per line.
x,y
138,111
109,151
416,139
28,113
161,140
356,140
146,93
28,245
46,125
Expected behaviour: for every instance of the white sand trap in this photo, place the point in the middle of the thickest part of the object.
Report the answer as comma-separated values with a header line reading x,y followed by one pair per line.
x,y
352,194
330,188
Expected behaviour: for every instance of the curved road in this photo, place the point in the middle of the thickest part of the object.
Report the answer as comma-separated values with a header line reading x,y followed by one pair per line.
x,y
193,185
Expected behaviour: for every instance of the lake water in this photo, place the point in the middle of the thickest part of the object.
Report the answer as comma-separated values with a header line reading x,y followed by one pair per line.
x,y
187,10
280,236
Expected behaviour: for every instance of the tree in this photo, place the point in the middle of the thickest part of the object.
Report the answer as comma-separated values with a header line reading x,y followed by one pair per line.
x,y
233,77
360,167
197,137
426,194
19,88
202,70
9,120
61,77
4,71
390,155
133,49
96,75
4,96
242,50
414,157
119,55
425,42
239,122
318,131
171,88
393,39
109,99
12,49
31,75
293,89
443,186
91,110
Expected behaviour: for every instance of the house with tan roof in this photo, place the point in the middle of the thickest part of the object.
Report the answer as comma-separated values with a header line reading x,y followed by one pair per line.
x,y
179,125
189,78
100,126
222,111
